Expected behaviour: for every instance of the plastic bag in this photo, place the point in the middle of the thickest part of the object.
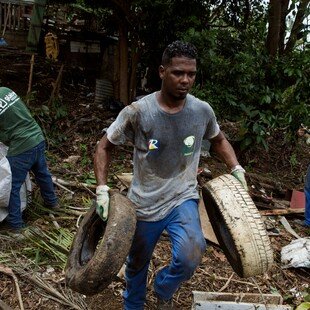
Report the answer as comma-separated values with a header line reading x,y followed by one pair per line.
x,y
6,184
296,254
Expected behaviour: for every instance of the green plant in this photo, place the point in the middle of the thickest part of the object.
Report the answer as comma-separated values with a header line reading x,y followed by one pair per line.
x,y
293,160
85,161
255,126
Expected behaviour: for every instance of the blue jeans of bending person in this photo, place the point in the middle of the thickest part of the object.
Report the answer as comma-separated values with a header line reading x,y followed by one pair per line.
x,y
31,160
188,246
307,194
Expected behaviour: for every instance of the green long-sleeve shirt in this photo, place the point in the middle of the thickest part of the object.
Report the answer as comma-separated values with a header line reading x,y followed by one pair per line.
x,y
18,129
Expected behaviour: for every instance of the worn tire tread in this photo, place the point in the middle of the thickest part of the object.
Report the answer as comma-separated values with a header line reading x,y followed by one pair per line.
x,y
255,254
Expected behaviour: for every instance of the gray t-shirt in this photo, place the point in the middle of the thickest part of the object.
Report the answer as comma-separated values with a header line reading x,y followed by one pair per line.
x,y
166,152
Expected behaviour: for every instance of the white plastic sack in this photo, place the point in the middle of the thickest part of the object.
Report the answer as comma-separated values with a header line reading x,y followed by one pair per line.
x,y
6,184
296,254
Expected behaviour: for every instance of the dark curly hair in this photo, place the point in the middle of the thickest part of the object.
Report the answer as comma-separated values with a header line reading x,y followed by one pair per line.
x,y
178,49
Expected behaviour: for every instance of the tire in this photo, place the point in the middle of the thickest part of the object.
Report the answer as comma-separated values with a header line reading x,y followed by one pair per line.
x,y
238,226
99,249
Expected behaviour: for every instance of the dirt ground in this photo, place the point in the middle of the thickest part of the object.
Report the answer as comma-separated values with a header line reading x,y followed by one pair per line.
x,y
74,131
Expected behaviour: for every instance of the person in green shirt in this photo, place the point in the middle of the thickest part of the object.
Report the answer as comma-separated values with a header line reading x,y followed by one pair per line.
x,y
26,142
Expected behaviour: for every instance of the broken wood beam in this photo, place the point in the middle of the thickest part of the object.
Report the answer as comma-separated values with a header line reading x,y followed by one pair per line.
x,y
282,211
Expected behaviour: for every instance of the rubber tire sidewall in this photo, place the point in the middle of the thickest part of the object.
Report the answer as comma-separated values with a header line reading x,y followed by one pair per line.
x,y
109,256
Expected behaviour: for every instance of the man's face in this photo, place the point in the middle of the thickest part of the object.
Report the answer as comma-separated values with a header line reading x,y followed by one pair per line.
x,y
178,77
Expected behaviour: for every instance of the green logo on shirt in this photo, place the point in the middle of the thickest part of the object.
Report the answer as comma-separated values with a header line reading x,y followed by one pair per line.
x,y
188,147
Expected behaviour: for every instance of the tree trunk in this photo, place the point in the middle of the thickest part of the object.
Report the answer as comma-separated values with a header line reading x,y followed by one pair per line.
x,y
297,26
274,20
123,70
284,12
133,74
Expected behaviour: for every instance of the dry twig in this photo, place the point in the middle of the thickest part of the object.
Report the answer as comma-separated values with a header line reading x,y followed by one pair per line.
x,y
8,271
227,283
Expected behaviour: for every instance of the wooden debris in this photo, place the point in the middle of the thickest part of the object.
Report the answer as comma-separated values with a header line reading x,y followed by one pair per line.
x,y
265,182
206,226
56,86
54,221
280,204
288,227
125,178
8,271
30,76
227,283
53,293
72,183
56,182
4,306
282,211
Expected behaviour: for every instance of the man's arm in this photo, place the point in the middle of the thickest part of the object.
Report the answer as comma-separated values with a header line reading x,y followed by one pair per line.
x,y
223,148
102,159
101,165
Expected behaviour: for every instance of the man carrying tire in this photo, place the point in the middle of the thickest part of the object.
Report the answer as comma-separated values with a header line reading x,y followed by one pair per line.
x,y
166,129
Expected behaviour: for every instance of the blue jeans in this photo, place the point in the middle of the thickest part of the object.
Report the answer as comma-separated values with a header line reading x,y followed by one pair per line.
x,y
31,160
188,246
307,194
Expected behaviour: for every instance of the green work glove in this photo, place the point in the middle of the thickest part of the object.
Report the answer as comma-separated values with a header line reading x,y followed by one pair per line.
x,y
102,201
238,172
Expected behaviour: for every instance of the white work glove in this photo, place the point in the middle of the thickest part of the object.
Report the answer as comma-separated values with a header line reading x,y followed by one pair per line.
x,y
238,172
102,201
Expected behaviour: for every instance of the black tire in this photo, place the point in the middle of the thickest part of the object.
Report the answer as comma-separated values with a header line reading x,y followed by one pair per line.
x,y
238,226
99,249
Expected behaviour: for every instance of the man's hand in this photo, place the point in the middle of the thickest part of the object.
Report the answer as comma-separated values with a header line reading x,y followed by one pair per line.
x,y
102,201
238,172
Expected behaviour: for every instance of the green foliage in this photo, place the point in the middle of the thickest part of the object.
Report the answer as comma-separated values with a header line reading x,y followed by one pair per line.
x,y
232,77
49,116
85,161
294,104
304,306
235,74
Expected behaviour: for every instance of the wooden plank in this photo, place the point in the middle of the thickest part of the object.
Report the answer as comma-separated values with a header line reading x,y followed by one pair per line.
x,y
282,211
1,16
206,226
9,26
14,16
18,16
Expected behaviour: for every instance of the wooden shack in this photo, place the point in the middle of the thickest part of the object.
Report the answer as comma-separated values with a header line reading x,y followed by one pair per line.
x,y
15,18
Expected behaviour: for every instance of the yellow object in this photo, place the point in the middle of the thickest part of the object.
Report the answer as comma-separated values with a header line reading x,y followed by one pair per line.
x,y
51,46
